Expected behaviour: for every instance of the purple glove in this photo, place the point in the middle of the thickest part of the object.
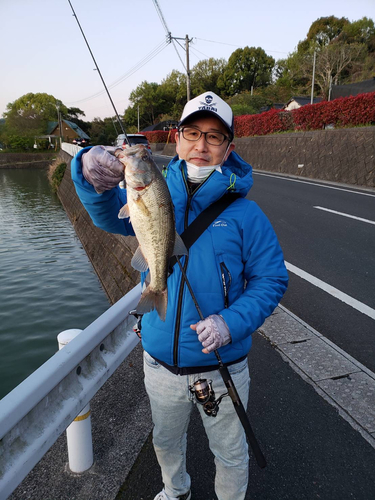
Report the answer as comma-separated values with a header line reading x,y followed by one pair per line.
x,y
212,332
102,169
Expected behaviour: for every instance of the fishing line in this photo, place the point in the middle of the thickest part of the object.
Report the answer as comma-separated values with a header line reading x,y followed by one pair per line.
x,y
98,70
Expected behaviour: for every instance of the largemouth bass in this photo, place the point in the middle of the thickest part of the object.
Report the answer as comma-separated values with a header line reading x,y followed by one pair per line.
x,y
150,209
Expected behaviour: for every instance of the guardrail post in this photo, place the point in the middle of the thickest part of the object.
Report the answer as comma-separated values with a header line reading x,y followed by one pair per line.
x,y
78,434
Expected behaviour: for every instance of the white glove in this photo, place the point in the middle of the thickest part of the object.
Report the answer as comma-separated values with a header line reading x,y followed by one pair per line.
x,y
212,332
102,169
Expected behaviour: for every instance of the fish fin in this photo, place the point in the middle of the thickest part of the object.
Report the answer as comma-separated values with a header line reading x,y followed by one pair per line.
x,y
179,246
151,300
139,261
124,212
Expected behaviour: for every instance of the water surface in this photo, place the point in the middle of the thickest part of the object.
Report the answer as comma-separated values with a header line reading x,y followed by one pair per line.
x,y
47,283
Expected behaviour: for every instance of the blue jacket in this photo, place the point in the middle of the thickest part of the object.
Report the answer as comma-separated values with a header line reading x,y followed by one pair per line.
x,y
236,267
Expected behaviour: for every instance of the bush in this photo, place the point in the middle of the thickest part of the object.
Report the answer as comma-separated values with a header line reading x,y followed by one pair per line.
x,y
342,112
265,123
162,136
56,173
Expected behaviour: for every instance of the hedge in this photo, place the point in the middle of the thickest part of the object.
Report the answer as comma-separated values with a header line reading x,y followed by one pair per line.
x,y
341,112
161,136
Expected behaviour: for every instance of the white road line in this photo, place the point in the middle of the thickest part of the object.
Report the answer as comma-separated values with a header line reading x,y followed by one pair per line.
x,y
312,183
346,215
347,299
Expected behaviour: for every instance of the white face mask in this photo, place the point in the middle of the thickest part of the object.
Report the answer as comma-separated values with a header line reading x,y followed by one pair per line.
x,y
198,174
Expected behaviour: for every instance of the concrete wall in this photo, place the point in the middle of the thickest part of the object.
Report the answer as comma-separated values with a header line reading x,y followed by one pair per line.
x,y
342,155
110,254
26,160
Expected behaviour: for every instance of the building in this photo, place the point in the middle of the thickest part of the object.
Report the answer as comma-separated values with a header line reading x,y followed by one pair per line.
x,y
298,102
70,131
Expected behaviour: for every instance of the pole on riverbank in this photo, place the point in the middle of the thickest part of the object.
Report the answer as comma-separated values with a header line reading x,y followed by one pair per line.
x,y
78,434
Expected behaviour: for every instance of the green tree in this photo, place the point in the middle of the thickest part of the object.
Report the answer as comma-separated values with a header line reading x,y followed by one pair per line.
x,y
205,75
29,115
322,32
147,97
247,104
361,31
246,68
104,131
172,92
343,54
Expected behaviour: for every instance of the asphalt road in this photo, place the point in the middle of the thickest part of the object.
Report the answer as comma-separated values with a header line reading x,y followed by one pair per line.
x,y
335,249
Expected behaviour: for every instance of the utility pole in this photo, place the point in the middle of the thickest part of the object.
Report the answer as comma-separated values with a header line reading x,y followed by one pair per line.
x,y
138,117
171,39
59,122
188,88
313,80
330,89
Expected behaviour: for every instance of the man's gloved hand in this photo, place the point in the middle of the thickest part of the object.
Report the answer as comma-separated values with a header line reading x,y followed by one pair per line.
x,y
212,332
102,169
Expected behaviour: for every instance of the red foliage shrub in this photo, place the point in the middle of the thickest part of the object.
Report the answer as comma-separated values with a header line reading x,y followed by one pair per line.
x,y
265,123
161,136
354,110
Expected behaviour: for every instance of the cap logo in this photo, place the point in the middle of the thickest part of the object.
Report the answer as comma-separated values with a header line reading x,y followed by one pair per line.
x,y
208,105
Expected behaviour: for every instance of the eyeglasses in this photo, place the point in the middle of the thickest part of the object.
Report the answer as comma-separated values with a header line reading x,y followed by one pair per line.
x,y
194,134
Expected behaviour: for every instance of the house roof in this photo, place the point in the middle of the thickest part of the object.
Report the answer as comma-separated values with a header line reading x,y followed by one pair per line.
x,y
164,125
72,125
353,88
302,100
275,105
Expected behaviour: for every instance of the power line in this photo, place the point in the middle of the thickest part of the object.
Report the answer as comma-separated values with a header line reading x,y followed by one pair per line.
x,y
238,46
161,17
129,73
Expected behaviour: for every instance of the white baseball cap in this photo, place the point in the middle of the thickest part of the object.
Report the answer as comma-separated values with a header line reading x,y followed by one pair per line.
x,y
209,102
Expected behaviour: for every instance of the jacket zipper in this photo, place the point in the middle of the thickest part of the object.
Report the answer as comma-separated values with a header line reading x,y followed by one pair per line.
x,y
226,287
182,283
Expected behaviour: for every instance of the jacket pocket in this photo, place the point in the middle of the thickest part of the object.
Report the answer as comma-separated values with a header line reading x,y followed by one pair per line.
x,y
150,361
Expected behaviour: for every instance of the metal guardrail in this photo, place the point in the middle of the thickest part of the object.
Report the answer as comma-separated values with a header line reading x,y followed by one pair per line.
x,y
36,412
71,149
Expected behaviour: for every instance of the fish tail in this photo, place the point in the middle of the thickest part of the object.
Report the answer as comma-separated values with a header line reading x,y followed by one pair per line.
x,y
152,299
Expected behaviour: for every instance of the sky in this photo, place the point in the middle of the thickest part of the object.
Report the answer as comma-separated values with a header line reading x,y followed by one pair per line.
x,y
42,48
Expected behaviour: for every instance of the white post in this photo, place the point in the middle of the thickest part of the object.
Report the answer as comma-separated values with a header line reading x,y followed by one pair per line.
x,y
313,80
78,434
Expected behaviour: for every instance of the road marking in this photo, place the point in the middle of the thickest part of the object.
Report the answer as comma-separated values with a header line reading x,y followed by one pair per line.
x,y
347,299
315,184
346,215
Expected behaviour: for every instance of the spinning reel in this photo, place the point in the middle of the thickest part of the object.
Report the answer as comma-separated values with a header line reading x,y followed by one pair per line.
x,y
205,396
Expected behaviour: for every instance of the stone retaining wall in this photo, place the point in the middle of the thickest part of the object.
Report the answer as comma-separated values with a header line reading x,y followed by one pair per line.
x,y
342,155
110,254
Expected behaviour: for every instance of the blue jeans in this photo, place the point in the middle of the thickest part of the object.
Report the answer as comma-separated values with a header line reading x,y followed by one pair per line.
x,y
171,405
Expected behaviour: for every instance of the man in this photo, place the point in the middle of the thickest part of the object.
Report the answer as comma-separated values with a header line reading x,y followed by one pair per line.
x,y
237,272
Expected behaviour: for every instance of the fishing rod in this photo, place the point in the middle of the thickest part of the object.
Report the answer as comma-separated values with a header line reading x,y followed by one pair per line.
x,y
229,384
98,70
